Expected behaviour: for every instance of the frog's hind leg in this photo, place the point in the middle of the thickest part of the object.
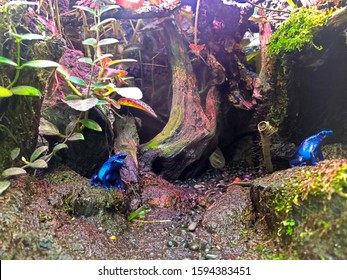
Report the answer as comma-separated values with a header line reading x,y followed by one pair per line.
x,y
297,162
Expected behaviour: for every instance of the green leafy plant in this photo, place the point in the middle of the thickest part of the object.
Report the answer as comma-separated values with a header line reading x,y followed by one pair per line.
x,y
10,89
109,81
38,159
297,32
140,213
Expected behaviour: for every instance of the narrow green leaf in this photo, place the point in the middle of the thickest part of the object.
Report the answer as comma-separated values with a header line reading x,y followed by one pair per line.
x,y
26,90
87,60
87,9
107,41
72,97
39,163
4,92
102,57
91,124
82,104
70,126
97,26
125,63
20,3
47,128
99,85
7,61
76,80
107,8
76,137
4,186
59,147
38,152
28,36
90,42
15,153
40,64
13,171
102,102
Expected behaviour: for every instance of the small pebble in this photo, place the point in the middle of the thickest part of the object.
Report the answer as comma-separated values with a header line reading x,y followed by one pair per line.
x,y
192,226
194,247
206,246
185,243
172,244
211,256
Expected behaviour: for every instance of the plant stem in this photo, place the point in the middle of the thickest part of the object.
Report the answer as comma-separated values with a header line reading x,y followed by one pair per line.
x,y
18,66
196,22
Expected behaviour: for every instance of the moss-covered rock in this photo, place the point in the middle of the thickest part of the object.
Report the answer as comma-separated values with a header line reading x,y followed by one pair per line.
x,y
60,217
305,208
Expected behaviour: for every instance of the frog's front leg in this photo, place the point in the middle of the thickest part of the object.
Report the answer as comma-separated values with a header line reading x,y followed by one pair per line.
x,y
313,158
320,154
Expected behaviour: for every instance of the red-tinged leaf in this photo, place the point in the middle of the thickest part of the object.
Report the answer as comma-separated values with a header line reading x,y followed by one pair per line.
x,y
47,128
113,102
196,49
104,60
82,104
137,104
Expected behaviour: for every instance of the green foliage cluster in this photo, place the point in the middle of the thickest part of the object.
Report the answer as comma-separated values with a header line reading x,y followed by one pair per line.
x,y
297,32
323,182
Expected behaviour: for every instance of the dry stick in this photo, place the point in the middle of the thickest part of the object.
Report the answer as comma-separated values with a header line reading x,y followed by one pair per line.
x,y
266,130
196,23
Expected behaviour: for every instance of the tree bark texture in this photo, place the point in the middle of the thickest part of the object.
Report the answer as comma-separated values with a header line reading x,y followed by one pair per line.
x,y
127,141
189,134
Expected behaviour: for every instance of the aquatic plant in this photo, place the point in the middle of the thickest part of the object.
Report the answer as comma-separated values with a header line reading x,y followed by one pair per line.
x,y
297,32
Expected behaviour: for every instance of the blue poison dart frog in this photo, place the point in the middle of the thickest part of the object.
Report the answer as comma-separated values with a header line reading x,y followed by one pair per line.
x,y
310,149
109,173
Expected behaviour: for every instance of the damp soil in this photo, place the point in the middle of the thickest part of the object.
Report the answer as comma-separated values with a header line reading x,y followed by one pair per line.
x,y
60,216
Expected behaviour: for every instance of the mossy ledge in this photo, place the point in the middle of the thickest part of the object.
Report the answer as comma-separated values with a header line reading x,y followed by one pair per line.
x,y
305,210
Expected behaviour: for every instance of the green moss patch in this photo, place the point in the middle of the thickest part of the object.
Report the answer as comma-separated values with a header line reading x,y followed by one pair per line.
x,y
297,32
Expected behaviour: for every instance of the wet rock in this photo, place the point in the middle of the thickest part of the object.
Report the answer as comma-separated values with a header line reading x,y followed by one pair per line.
x,y
302,210
212,256
230,213
206,246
